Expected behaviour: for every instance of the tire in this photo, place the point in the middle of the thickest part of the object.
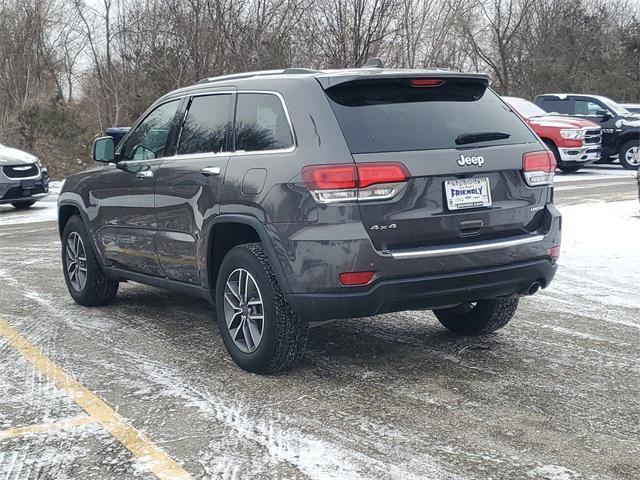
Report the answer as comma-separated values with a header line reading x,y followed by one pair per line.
x,y
97,289
485,316
556,154
626,152
23,205
283,337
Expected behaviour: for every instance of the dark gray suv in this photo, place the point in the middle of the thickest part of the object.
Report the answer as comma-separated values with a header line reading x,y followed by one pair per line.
x,y
288,198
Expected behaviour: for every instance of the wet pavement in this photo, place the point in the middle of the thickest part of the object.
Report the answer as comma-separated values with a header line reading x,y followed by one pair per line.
x,y
555,394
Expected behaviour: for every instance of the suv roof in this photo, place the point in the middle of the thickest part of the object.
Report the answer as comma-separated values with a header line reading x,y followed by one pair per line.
x,y
327,78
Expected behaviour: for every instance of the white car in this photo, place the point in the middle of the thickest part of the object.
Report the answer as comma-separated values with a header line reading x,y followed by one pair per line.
x,y
632,107
23,179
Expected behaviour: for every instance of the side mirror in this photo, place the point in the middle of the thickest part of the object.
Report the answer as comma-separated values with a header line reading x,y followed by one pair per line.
x,y
104,150
604,114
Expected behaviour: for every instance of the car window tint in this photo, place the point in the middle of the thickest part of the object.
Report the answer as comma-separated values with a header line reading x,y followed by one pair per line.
x,y
149,138
261,123
206,124
396,115
587,107
556,105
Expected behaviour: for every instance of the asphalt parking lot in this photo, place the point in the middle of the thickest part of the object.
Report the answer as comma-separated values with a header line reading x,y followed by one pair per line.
x,y
144,388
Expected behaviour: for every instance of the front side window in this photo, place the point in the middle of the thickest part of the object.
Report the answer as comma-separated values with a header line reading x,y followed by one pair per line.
x,y
206,125
587,107
261,123
149,139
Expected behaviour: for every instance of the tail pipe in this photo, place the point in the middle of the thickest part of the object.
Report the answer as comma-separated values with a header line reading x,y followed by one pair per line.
x,y
533,288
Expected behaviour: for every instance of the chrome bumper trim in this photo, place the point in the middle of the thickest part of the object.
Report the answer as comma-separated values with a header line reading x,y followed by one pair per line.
x,y
584,154
462,249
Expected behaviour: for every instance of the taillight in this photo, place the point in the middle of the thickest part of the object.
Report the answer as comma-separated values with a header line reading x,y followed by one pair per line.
x,y
331,177
539,168
355,182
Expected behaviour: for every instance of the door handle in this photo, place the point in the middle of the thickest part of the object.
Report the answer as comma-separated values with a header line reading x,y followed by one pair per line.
x,y
145,174
207,171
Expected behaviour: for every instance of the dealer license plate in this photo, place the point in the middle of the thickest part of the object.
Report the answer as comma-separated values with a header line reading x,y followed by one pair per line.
x,y
467,193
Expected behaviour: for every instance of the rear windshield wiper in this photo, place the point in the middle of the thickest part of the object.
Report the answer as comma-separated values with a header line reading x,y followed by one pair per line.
x,y
480,137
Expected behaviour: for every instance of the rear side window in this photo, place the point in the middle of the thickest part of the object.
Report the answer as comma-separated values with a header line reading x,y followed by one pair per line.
x,y
403,115
206,125
261,123
556,105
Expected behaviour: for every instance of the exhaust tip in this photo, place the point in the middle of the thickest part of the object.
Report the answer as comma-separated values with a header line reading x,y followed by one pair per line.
x,y
535,286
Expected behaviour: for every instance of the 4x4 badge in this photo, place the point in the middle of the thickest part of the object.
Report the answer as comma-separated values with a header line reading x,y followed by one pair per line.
x,y
391,226
475,160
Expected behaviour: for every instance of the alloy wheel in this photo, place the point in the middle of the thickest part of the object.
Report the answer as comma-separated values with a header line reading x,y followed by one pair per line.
x,y
632,156
244,310
76,261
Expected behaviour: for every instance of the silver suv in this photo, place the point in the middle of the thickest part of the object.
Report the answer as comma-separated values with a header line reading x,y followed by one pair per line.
x,y
23,179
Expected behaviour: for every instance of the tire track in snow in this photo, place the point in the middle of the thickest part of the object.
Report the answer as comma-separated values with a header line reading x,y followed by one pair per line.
x,y
317,459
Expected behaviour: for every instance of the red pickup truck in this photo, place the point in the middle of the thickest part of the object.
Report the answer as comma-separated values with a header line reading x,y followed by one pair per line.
x,y
574,142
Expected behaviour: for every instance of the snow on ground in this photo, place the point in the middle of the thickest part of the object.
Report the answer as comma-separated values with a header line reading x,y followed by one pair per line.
x,y
595,172
600,259
43,211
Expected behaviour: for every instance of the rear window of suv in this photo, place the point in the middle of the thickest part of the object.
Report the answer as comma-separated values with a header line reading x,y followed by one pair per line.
x,y
394,115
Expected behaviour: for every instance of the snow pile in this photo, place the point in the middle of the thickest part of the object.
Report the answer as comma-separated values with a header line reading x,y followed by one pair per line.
x,y
599,261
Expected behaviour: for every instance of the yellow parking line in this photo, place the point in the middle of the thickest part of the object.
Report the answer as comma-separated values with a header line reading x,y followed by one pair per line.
x,y
163,466
46,427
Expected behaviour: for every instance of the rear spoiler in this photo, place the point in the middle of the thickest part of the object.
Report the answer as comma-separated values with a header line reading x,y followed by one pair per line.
x,y
332,79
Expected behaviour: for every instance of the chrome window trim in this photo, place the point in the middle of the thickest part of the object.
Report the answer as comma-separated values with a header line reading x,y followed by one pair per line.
x,y
235,153
463,249
294,139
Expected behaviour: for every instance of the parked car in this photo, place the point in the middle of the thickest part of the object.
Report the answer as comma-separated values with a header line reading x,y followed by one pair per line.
x,y
631,107
23,179
292,197
574,142
620,128
117,133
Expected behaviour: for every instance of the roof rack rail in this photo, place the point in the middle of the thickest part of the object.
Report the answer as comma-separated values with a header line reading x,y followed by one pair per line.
x,y
237,76
234,76
300,71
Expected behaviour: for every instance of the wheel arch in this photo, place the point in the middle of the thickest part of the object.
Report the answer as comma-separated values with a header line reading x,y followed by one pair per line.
x,y
69,208
65,212
626,137
229,230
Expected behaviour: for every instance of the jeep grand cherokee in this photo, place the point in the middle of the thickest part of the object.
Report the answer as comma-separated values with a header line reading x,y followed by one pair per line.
x,y
291,197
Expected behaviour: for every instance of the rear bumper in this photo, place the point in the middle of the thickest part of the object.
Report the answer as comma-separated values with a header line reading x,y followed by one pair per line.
x,y
424,292
572,157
